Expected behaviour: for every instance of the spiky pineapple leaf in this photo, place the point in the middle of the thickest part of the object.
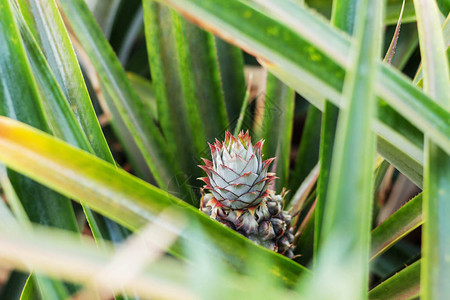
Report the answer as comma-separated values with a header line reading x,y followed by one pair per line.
x,y
145,133
347,221
403,285
56,108
231,67
204,66
446,32
47,27
342,17
175,89
277,127
394,88
308,151
399,224
120,196
243,113
61,118
327,136
407,44
406,164
43,287
436,83
19,99
290,49
146,92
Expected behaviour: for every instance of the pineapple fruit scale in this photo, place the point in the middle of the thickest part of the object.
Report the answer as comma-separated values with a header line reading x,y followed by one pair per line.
x,y
239,196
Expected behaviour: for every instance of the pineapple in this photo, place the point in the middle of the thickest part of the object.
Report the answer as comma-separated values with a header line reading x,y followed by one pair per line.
x,y
240,198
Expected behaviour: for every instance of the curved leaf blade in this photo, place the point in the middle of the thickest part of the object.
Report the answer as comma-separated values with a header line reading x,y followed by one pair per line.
x,y
19,99
120,196
114,79
292,57
403,221
48,29
403,285
64,124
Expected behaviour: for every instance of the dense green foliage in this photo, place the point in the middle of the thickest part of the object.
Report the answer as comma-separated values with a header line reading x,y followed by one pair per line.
x,y
107,107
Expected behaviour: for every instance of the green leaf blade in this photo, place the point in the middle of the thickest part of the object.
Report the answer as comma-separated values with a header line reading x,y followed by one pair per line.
x,y
327,137
403,285
120,196
46,23
206,77
19,98
308,152
174,86
298,69
436,83
343,17
42,205
403,221
231,67
277,127
147,137
64,124
347,214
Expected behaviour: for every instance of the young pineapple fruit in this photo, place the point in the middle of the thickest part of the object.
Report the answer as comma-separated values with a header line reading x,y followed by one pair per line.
x,y
239,196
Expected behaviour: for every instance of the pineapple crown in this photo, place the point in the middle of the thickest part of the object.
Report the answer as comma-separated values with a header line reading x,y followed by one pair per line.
x,y
237,174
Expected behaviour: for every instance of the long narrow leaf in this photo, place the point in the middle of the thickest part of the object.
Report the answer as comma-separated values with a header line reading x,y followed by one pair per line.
x,y
308,152
46,23
72,116
407,44
347,215
67,257
403,221
393,45
292,55
343,17
231,66
57,110
19,99
178,111
277,126
446,32
392,87
145,91
243,112
104,12
406,164
120,196
403,285
63,123
327,136
46,288
436,83
145,133
206,78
